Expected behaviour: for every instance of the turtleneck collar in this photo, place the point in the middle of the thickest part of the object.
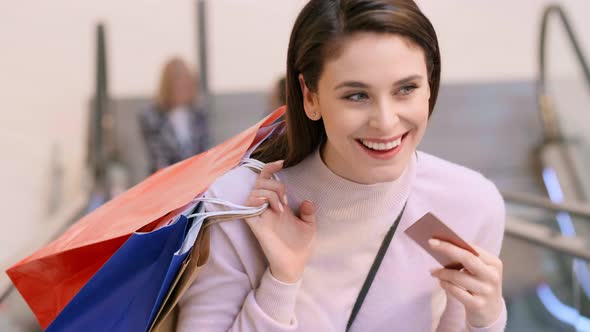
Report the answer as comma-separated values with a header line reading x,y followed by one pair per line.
x,y
339,199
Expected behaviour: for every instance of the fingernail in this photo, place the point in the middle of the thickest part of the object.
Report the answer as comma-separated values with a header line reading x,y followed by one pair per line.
x,y
280,162
434,242
281,208
285,200
261,198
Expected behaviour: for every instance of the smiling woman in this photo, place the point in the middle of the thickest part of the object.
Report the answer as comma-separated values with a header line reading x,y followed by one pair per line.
x,y
330,253
374,75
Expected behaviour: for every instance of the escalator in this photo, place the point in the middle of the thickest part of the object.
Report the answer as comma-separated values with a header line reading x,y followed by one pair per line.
x,y
560,301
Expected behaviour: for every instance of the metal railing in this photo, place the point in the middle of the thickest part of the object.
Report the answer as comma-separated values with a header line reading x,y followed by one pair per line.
x,y
574,209
548,115
545,237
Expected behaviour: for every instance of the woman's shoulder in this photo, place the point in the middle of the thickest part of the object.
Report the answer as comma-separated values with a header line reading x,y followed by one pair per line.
x,y
454,178
234,186
150,115
455,185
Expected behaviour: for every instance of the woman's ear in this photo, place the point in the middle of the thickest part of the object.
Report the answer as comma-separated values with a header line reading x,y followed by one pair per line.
x,y
310,101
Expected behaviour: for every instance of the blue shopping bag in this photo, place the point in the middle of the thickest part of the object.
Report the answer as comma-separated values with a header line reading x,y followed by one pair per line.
x,y
127,291
178,259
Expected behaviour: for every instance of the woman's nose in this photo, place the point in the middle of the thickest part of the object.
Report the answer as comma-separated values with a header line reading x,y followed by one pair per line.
x,y
384,117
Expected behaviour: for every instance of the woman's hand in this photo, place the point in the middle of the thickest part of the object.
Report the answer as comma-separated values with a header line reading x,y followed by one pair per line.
x,y
478,285
287,240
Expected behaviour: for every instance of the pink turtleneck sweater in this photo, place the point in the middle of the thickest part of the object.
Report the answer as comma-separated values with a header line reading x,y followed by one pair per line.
x,y
236,292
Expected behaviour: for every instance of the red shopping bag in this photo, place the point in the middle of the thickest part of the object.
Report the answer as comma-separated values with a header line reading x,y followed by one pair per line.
x,y
49,278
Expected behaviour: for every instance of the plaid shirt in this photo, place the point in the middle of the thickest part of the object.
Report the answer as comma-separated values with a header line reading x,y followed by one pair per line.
x,y
162,144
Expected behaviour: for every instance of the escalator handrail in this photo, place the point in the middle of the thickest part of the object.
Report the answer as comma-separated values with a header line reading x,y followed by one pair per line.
x,y
574,209
558,10
552,132
547,238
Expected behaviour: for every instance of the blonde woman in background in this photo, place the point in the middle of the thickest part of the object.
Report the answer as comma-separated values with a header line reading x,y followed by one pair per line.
x,y
174,126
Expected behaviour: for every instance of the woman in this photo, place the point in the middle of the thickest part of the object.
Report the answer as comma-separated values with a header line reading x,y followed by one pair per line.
x,y
174,127
362,81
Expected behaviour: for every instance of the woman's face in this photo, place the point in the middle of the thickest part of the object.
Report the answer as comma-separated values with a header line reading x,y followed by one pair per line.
x,y
182,88
373,98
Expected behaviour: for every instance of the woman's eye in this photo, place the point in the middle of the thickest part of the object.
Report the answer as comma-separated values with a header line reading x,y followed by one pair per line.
x,y
406,90
357,97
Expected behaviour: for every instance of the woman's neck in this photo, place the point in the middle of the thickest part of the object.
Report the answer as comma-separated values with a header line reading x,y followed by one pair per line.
x,y
340,198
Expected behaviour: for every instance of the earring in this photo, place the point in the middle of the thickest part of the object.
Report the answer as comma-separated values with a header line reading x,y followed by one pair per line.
x,y
314,115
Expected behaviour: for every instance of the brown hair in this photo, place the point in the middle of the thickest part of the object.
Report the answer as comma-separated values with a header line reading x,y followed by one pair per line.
x,y
318,35
171,71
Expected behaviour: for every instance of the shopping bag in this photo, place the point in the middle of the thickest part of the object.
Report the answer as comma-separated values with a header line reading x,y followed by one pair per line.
x,y
165,320
126,294
122,294
50,278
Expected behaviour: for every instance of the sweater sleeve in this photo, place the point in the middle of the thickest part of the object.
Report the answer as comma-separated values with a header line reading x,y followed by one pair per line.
x,y
223,298
490,238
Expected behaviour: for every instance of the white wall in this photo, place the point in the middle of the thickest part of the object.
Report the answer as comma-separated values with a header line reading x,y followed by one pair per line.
x,y
248,42
47,70
480,40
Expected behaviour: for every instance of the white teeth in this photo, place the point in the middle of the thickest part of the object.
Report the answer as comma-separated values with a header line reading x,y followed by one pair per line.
x,y
382,146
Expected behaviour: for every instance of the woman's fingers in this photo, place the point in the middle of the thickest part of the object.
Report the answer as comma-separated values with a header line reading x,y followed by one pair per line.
x,y
463,280
471,262
478,286
265,195
272,185
460,294
270,169
267,189
307,212
488,257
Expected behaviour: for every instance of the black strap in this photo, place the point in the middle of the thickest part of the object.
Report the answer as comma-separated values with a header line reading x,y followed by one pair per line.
x,y
373,271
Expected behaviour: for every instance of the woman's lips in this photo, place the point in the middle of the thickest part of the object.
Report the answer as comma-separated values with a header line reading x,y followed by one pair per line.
x,y
382,149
